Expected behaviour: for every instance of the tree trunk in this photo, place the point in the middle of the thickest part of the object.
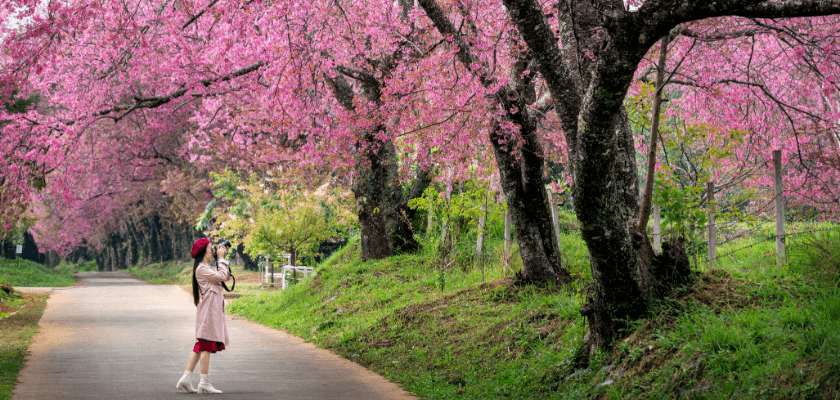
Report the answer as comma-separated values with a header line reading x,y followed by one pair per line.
x,y
372,189
521,169
522,183
152,240
650,173
162,239
404,215
250,263
588,93
384,219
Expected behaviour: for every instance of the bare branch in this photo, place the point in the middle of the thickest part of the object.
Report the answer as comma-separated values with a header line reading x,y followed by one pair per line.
x,y
761,86
197,16
722,36
157,101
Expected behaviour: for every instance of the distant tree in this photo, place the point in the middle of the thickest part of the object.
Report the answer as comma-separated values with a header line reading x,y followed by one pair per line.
x,y
275,216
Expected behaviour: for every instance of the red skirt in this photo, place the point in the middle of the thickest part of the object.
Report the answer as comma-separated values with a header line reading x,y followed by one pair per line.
x,y
206,345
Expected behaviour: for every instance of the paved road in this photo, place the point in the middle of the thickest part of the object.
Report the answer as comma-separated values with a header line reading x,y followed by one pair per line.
x,y
115,337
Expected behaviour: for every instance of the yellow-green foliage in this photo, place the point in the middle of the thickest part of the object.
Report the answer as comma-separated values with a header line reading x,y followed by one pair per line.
x,y
272,216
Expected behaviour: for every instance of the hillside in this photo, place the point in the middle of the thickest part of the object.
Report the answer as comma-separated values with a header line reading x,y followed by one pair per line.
x,y
746,329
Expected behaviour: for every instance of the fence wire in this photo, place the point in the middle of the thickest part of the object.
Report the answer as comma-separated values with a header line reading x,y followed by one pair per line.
x,y
773,239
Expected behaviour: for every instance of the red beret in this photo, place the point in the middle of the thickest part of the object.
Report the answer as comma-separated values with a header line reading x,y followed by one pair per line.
x,y
198,245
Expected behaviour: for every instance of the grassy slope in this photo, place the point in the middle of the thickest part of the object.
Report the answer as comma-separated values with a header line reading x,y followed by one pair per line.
x,y
744,330
16,333
21,272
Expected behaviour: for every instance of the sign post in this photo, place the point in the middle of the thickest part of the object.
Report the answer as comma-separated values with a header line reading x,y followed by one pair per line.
x,y
18,251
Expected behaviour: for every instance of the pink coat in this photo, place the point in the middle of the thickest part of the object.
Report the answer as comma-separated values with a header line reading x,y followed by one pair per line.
x,y
210,316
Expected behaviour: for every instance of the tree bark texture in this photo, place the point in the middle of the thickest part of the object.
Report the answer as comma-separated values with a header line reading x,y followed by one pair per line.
x,y
374,196
385,220
521,177
588,85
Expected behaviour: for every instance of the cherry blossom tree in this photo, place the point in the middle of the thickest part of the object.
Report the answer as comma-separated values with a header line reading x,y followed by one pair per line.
x,y
603,44
265,85
371,89
776,80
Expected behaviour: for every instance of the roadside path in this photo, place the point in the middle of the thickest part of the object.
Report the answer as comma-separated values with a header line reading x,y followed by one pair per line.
x,y
116,337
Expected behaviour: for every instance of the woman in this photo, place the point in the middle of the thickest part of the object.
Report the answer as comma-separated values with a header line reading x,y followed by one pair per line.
x,y
210,329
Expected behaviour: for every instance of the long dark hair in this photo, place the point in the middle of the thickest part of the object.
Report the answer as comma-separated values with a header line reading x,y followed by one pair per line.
x,y
198,258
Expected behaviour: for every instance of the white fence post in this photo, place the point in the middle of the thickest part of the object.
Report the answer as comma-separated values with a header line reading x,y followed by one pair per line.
x,y
780,208
710,197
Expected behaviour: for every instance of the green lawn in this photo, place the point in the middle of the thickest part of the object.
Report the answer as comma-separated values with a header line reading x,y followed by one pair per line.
x,y
745,330
16,333
21,272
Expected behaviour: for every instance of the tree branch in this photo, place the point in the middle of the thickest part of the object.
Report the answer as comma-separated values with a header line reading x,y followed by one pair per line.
x,y
530,19
723,36
157,101
197,16
656,17
791,9
761,86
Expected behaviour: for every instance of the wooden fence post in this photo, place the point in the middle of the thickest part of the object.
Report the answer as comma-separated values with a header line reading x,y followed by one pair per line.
x,y
657,230
780,208
507,237
555,218
429,221
482,219
710,197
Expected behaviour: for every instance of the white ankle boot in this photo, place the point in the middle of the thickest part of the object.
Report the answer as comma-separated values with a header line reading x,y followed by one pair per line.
x,y
205,387
186,382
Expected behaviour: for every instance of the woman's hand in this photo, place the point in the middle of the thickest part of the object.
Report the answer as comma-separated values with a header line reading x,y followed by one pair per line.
x,y
221,251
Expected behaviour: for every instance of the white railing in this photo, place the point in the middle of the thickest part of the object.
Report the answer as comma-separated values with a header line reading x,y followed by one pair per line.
x,y
285,272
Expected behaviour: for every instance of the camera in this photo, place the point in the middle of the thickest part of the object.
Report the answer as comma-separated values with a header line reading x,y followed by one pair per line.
x,y
226,243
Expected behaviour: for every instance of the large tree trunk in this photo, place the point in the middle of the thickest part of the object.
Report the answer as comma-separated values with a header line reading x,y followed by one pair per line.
x,y
522,181
373,192
588,93
384,218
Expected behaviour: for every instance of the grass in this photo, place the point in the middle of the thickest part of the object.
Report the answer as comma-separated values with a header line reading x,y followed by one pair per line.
x,y
165,273
16,333
68,268
746,330
20,272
